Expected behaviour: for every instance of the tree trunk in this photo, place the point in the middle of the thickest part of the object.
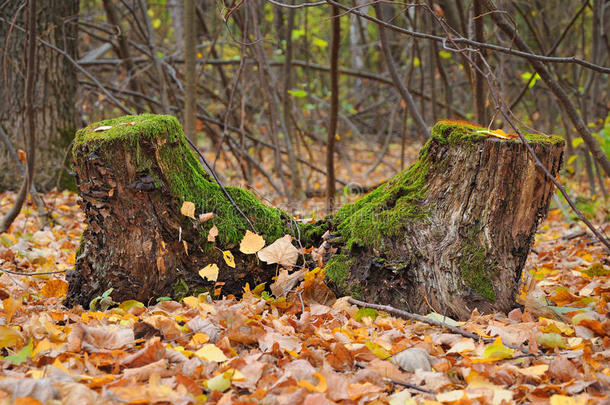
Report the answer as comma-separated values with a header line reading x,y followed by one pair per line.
x,y
451,232
55,89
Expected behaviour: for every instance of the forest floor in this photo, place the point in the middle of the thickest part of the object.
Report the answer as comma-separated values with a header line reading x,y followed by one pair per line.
x,y
304,348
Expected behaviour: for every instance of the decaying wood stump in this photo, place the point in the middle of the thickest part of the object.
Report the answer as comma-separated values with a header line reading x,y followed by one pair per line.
x,y
452,232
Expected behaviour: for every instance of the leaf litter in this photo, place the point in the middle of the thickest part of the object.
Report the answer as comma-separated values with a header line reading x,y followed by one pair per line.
x,y
300,344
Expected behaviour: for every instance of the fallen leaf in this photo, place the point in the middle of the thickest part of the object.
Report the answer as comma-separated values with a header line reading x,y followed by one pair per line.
x,y
102,128
412,359
211,352
320,387
209,272
9,337
229,259
188,209
497,351
284,282
281,252
54,288
212,234
251,243
206,216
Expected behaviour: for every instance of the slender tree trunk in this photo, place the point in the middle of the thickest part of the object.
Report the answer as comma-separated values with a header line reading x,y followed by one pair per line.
x,y
334,108
190,78
55,90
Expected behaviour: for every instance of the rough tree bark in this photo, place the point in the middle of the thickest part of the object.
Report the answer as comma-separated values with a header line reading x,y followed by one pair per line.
x,y
55,88
451,232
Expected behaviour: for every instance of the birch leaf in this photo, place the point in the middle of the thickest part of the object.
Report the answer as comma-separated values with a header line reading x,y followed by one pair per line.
x,y
188,209
209,272
251,243
281,252
229,259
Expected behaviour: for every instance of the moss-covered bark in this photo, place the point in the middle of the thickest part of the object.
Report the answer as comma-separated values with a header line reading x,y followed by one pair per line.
x,y
451,232
133,174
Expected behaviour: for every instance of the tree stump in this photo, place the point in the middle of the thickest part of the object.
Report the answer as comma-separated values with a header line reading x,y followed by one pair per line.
x,y
451,233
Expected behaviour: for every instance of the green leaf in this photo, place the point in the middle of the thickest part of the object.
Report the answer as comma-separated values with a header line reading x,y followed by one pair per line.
x,y
416,62
576,142
22,355
296,34
129,304
362,312
298,93
319,42
551,340
444,54
164,299
572,159
497,350
159,54
156,23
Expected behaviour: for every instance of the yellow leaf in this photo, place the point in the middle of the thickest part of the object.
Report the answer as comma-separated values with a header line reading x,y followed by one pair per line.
x,y
565,400
251,243
450,396
188,209
9,337
211,352
498,133
10,306
281,252
497,351
54,288
534,371
210,272
321,387
190,301
229,259
463,346
212,234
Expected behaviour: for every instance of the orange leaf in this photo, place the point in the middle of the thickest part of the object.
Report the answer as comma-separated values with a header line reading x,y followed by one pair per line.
x,y
54,288
321,387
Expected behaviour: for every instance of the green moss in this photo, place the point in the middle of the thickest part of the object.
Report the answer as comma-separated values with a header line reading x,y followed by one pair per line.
x,y
183,174
337,270
474,268
385,211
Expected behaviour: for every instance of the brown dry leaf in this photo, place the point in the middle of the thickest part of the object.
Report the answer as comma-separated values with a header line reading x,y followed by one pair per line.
x,y
106,337
281,252
206,216
188,209
284,282
251,243
145,372
562,369
212,234
54,288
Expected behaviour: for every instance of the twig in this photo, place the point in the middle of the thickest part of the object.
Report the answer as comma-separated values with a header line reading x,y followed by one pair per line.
x,y
462,40
409,385
32,274
419,318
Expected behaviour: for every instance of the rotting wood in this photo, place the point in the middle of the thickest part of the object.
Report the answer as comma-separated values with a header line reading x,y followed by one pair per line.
x,y
450,233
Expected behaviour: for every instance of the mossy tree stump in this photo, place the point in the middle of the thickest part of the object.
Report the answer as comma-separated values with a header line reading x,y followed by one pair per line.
x,y
452,232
